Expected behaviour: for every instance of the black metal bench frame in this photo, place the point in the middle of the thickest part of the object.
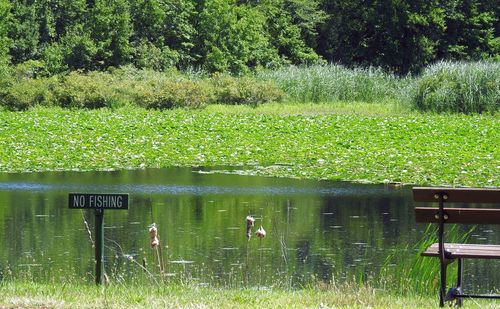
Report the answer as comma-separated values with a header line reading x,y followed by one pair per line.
x,y
448,252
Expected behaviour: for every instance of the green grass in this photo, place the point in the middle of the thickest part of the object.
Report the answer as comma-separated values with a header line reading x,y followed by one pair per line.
x,y
32,295
284,141
67,295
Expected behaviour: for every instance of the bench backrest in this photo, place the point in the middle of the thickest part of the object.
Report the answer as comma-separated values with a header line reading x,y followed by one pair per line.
x,y
458,195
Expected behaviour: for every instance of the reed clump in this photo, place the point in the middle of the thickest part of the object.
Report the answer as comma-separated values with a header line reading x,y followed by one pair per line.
x,y
331,83
463,87
420,274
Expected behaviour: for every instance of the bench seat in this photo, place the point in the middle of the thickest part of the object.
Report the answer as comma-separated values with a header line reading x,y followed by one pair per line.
x,y
454,251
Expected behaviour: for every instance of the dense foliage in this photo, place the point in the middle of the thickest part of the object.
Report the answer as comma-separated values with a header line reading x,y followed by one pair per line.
x,y
443,87
128,86
240,35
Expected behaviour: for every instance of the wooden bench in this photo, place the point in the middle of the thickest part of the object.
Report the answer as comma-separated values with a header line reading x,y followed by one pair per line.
x,y
450,252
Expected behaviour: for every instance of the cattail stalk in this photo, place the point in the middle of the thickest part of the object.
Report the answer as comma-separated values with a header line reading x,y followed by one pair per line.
x,y
156,244
261,233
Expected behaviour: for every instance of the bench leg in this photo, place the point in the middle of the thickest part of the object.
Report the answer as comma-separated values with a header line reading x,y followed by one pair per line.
x,y
442,290
460,274
454,294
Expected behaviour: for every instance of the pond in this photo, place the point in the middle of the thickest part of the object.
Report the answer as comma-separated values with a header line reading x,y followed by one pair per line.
x,y
317,231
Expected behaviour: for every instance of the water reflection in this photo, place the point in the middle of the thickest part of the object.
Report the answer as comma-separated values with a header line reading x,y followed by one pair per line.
x,y
317,230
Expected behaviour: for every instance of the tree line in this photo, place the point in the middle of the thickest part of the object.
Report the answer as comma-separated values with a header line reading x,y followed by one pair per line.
x,y
241,35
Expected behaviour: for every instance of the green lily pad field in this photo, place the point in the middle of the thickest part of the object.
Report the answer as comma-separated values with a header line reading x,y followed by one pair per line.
x,y
408,148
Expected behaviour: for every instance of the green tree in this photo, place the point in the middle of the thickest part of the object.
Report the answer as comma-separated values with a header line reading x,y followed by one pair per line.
x,y
69,46
291,26
180,34
69,15
111,29
75,51
234,37
472,30
148,20
395,34
5,23
307,16
165,28
24,31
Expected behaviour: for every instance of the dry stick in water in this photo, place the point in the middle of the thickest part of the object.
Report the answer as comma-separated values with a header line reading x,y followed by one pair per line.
x,y
143,266
88,229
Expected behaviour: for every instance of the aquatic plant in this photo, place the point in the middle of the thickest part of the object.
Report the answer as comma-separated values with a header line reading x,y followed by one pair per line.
x,y
331,83
261,233
155,244
250,223
443,87
456,150
153,234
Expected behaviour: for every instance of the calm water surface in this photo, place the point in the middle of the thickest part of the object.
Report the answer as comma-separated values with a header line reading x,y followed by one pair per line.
x,y
316,230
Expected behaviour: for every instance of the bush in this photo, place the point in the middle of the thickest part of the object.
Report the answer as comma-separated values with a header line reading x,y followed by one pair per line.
x,y
168,94
459,87
5,76
92,90
245,90
30,69
27,93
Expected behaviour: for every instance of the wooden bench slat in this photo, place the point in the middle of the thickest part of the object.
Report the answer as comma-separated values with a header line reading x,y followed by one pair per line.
x,y
465,251
458,195
459,215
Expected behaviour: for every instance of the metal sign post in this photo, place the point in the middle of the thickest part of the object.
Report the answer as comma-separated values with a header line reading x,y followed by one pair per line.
x,y
98,202
99,246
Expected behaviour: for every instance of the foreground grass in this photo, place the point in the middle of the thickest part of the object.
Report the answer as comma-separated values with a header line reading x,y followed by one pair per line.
x,y
399,147
24,295
32,295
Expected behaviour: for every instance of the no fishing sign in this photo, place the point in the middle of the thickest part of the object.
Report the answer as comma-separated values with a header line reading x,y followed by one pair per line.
x,y
99,202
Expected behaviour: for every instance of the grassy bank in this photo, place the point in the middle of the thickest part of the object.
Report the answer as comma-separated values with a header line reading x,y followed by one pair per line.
x,y
31,295
314,142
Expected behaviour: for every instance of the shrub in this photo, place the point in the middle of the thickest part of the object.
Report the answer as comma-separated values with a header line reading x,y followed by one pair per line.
x,y
459,87
30,69
168,94
5,76
27,93
245,90
85,91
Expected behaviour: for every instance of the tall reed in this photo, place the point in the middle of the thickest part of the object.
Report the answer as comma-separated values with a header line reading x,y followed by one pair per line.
x,y
330,83
464,87
419,274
